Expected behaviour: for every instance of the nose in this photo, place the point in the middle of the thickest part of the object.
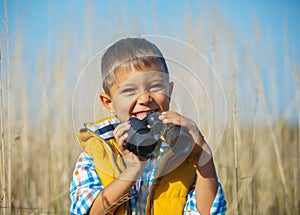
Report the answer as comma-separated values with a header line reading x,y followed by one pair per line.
x,y
144,98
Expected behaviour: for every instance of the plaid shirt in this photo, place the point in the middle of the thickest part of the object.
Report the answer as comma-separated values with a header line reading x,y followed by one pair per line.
x,y
86,185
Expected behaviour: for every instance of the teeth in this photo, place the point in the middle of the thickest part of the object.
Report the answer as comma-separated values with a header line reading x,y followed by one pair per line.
x,y
141,116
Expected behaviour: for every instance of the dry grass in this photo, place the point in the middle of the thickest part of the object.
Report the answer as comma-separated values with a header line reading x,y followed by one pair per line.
x,y
258,162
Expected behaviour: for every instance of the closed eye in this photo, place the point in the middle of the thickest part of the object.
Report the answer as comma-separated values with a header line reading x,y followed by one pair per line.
x,y
156,87
128,91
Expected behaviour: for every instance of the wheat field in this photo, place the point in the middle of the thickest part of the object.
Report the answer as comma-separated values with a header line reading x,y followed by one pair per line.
x,y
257,158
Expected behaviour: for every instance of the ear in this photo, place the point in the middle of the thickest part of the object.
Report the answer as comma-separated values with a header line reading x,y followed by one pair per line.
x,y
106,101
171,85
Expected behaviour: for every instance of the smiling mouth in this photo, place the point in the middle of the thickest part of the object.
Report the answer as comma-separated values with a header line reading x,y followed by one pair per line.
x,y
143,114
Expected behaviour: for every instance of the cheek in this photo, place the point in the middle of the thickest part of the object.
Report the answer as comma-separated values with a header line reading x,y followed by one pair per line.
x,y
121,107
163,101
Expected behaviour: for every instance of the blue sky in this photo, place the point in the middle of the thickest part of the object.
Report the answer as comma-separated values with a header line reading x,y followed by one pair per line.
x,y
39,18
39,21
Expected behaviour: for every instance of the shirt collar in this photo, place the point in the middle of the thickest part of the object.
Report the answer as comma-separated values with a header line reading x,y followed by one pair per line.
x,y
104,129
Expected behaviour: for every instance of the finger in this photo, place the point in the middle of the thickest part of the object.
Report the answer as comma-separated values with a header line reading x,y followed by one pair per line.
x,y
121,141
120,134
171,117
176,119
121,129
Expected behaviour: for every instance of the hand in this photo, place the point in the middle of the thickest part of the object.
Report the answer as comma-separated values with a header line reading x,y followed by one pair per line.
x,y
134,164
190,126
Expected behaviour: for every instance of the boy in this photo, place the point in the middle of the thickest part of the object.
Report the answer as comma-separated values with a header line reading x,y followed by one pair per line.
x,y
110,179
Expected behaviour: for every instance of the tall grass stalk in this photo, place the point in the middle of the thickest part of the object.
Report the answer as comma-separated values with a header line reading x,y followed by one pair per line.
x,y
8,142
2,162
253,153
235,137
297,185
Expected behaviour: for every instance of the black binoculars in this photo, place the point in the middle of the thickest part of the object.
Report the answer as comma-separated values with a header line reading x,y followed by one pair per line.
x,y
144,136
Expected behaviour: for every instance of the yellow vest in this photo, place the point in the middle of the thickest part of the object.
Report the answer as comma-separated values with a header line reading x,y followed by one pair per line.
x,y
168,192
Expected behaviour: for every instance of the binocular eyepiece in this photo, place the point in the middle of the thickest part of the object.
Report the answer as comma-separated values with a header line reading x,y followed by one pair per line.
x,y
144,136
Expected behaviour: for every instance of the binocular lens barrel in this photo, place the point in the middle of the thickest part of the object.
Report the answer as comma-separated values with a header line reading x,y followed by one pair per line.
x,y
143,140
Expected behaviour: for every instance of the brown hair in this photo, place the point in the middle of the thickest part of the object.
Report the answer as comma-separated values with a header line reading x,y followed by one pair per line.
x,y
132,52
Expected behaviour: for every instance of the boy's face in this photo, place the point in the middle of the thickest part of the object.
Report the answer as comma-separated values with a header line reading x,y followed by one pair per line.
x,y
137,92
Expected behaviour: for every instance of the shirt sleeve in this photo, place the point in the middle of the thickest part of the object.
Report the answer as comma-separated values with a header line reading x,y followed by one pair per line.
x,y
218,206
85,185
